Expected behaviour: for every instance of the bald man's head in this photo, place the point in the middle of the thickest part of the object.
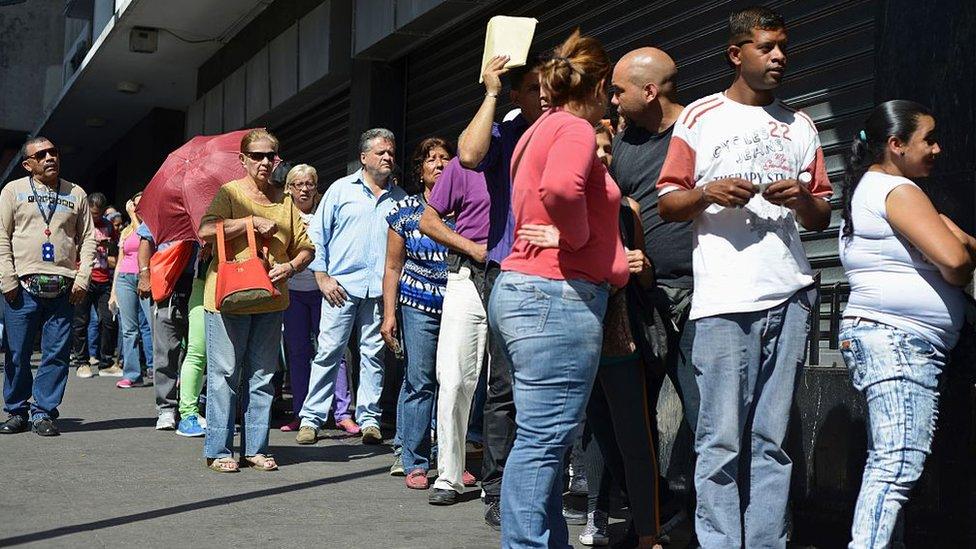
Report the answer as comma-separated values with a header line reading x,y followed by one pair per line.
x,y
641,79
649,65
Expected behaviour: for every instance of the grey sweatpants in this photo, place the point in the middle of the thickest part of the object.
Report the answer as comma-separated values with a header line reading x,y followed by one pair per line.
x,y
170,325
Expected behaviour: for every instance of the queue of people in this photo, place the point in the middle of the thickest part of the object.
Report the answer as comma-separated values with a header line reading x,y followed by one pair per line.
x,y
581,262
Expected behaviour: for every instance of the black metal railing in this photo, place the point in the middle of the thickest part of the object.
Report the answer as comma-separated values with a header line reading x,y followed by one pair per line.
x,y
834,296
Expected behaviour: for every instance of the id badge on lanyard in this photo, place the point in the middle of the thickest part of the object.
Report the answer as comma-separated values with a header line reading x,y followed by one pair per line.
x,y
47,249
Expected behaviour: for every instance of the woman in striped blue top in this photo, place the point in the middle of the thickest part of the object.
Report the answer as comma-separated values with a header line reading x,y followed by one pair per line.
x,y
415,278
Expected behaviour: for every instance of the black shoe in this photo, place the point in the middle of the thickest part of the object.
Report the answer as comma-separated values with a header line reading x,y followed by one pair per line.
x,y
439,496
14,424
573,516
45,428
493,513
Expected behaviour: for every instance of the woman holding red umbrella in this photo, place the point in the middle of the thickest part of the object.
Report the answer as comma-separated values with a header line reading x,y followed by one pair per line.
x,y
246,341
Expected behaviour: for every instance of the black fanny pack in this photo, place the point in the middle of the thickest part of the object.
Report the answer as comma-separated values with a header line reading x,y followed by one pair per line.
x,y
46,286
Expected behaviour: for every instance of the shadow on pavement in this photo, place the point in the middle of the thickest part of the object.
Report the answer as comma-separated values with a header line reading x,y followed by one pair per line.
x,y
197,505
468,495
78,425
334,453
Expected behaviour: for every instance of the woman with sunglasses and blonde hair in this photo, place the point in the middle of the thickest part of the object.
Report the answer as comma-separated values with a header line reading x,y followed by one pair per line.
x,y
244,344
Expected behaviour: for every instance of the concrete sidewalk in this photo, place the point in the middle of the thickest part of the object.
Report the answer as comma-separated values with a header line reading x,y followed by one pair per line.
x,y
111,480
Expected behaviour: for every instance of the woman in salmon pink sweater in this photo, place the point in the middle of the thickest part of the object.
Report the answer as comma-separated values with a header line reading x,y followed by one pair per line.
x,y
548,304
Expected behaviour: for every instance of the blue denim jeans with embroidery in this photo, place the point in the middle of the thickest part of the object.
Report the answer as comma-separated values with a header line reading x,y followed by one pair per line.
x,y
898,373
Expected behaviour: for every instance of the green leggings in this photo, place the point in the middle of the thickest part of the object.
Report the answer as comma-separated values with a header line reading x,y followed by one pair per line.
x,y
194,366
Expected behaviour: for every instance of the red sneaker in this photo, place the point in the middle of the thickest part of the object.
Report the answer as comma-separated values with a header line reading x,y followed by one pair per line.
x,y
348,426
125,384
293,426
417,480
468,479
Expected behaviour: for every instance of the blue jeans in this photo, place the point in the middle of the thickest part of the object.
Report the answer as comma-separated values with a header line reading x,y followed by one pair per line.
x,y
898,373
134,315
24,318
240,346
335,327
747,366
552,332
93,343
420,330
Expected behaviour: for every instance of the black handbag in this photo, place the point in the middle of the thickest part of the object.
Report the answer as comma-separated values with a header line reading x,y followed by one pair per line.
x,y
647,323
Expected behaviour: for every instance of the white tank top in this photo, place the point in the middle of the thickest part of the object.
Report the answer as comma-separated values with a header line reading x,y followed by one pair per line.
x,y
891,281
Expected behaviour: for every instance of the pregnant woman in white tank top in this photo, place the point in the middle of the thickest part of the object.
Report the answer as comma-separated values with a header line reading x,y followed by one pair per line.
x,y
906,264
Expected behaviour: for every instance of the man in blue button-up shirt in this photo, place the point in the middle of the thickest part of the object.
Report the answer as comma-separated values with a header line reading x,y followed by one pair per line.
x,y
349,232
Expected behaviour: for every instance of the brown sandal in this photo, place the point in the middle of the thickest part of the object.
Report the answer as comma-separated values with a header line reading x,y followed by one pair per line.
x,y
260,462
222,465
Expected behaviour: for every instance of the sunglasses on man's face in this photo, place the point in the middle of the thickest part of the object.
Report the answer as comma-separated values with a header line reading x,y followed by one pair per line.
x,y
259,156
42,154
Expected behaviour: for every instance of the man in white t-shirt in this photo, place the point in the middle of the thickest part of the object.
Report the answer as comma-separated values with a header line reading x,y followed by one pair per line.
x,y
745,168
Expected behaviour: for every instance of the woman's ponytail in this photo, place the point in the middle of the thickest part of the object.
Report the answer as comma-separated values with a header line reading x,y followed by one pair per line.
x,y
896,118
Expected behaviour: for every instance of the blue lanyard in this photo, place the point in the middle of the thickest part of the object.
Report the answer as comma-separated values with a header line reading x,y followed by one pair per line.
x,y
51,207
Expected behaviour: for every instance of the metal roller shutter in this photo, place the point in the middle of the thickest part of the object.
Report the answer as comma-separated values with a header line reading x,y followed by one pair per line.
x,y
318,137
830,75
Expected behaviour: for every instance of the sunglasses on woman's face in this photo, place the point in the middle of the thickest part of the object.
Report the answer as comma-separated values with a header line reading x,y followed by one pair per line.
x,y
259,156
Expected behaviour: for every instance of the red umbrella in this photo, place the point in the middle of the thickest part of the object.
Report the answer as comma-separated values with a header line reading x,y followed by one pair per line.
x,y
181,191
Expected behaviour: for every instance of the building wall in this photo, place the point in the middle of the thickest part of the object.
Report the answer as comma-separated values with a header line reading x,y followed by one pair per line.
x,y
129,166
273,21
31,43
264,78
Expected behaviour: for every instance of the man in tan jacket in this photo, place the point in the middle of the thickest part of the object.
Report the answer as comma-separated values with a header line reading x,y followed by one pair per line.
x,y
47,246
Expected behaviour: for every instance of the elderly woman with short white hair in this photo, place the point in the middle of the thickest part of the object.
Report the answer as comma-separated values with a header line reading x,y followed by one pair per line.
x,y
304,311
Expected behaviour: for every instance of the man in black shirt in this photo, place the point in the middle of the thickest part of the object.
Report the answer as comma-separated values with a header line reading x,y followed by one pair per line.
x,y
644,93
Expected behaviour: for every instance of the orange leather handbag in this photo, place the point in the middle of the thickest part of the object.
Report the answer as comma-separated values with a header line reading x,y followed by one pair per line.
x,y
166,266
242,283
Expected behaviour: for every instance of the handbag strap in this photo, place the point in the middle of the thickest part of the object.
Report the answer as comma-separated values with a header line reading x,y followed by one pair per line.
x,y
221,253
251,241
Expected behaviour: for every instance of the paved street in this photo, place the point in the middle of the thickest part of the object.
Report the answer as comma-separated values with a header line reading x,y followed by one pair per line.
x,y
111,480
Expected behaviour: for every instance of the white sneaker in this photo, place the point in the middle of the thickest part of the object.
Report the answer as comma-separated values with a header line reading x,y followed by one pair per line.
x,y
112,371
85,371
595,532
166,422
